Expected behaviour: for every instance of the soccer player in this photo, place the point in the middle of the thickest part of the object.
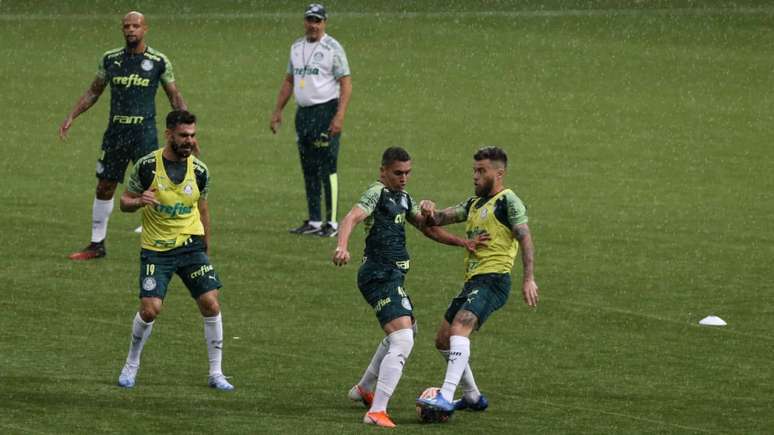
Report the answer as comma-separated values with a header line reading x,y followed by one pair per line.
x,y
500,214
170,187
385,207
318,76
133,73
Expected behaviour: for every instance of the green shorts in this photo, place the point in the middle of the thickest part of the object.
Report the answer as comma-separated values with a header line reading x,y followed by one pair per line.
x,y
122,144
382,288
189,261
482,295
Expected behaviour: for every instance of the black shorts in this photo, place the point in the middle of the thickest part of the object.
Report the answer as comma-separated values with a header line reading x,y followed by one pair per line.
x,y
383,288
189,261
312,124
124,143
482,295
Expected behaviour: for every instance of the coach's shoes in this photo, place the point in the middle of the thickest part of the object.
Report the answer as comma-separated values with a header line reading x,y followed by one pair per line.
x,y
327,230
378,418
480,405
305,228
360,394
94,250
126,378
219,382
437,403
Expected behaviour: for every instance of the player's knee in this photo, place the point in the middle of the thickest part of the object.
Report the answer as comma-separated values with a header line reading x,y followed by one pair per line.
x,y
211,310
209,305
442,341
106,189
150,308
401,343
442,336
464,323
148,313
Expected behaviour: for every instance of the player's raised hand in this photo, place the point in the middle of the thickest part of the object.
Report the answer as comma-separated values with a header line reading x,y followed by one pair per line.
x,y
276,121
427,208
479,241
65,127
149,197
341,256
530,290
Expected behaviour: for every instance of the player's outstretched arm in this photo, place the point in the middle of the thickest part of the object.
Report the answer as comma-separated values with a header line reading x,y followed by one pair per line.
x,y
286,90
84,103
433,217
204,215
355,216
175,97
131,202
440,235
529,286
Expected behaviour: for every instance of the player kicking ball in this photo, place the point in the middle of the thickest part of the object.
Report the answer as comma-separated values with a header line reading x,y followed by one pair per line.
x,y
385,208
500,214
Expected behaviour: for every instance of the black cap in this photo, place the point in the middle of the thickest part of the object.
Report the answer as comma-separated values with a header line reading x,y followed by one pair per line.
x,y
315,10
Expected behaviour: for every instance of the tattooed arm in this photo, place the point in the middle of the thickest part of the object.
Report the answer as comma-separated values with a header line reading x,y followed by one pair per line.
x,y
437,218
440,235
529,287
84,103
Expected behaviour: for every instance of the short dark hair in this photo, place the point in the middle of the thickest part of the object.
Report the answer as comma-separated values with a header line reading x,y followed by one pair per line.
x,y
177,117
492,153
393,154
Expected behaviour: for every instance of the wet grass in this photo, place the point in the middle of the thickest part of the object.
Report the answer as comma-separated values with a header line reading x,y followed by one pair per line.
x,y
638,140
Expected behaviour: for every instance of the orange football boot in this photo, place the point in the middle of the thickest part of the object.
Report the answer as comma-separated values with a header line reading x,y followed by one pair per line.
x,y
378,418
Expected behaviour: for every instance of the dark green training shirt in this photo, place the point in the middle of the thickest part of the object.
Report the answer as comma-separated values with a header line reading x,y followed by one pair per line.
x,y
133,80
145,169
385,224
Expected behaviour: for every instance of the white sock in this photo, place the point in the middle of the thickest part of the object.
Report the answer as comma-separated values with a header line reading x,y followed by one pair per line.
x,y
213,336
368,381
141,330
391,369
468,383
459,354
316,224
100,214
333,224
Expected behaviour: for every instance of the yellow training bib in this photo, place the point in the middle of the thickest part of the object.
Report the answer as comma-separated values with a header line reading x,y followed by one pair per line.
x,y
499,253
170,223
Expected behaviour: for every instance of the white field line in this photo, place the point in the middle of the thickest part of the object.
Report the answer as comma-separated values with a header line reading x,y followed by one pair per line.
x,y
12,428
611,413
516,296
461,14
724,330
177,334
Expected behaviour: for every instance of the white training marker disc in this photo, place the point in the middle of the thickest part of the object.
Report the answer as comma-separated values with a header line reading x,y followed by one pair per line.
x,y
712,321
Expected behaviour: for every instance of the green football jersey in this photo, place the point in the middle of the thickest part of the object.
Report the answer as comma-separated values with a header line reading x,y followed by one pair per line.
x,y
133,80
385,224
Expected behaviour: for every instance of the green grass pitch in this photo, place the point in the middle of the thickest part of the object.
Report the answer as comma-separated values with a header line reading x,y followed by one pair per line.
x,y
640,138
